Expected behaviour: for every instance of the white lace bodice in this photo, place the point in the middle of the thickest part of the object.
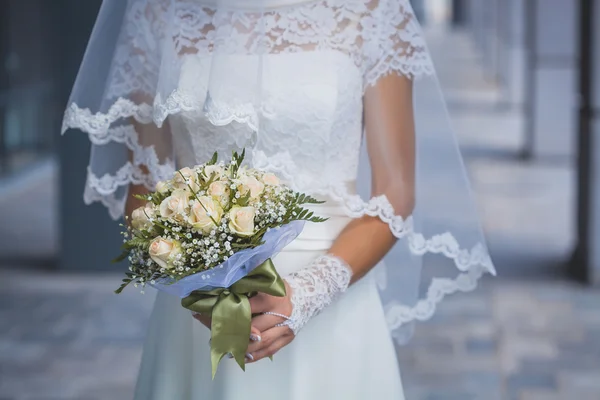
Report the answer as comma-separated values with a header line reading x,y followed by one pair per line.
x,y
197,67
309,111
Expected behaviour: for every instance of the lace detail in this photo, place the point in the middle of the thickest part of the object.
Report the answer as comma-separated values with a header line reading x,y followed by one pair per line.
x,y
399,314
378,206
399,45
379,36
114,205
444,243
145,168
98,125
315,287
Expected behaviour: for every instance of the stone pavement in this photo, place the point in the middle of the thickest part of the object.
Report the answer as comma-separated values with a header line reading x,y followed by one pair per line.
x,y
508,340
66,337
527,335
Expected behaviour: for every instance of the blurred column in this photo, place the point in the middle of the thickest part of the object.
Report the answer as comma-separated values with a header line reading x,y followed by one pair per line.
x,y
4,32
477,22
490,37
551,77
483,24
586,265
459,12
512,52
89,238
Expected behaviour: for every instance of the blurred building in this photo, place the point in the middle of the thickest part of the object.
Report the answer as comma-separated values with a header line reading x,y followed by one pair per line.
x,y
41,47
29,82
546,57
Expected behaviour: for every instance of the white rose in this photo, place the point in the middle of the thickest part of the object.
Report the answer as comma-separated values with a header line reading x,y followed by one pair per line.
x,y
203,212
186,178
215,170
140,217
175,206
250,183
162,187
270,179
219,190
241,220
164,251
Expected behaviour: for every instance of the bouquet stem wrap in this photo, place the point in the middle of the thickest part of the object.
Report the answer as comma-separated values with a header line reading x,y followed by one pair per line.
x,y
229,309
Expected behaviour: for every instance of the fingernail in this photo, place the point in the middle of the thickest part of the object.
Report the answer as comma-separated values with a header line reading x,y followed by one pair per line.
x,y
249,357
255,338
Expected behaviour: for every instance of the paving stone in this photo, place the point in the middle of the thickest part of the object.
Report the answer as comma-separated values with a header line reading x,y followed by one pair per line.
x,y
451,396
517,383
477,346
540,395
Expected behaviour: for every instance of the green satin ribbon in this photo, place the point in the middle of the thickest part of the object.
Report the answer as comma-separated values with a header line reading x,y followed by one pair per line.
x,y
230,311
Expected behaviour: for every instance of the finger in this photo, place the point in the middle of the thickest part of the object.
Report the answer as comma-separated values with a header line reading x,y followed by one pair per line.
x,y
255,335
267,339
206,320
271,350
261,303
265,322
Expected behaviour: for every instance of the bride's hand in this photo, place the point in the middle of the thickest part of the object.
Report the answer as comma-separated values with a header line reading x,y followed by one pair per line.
x,y
308,291
274,311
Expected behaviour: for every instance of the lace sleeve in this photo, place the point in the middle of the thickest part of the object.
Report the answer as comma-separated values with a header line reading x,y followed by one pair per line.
x,y
315,287
394,42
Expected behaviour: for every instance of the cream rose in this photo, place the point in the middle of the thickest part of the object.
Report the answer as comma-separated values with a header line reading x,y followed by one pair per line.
x,y
140,217
250,183
220,191
203,212
215,170
175,206
241,220
164,251
186,178
162,187
270,179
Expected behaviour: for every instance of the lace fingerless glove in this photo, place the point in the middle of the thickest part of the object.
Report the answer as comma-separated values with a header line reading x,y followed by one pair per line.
x,y
315,287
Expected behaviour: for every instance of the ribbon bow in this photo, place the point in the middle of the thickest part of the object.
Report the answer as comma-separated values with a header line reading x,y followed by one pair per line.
x,y
230,311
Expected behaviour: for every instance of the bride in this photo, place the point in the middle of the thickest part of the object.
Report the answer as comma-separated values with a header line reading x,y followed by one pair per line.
x,y
336,97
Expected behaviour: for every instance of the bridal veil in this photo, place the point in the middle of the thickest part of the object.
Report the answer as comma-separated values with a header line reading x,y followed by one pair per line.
x,y
130,83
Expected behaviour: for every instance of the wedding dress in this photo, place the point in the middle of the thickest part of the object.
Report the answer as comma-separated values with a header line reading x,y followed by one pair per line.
x,y
285,79
344,353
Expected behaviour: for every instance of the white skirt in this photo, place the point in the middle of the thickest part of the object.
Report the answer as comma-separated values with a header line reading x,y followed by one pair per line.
x,y
346,352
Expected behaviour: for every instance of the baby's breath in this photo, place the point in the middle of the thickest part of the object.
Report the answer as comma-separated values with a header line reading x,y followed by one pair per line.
x,y
197,247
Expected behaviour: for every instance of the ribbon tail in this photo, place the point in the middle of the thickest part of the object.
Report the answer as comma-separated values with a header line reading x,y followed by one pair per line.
x,y
230,329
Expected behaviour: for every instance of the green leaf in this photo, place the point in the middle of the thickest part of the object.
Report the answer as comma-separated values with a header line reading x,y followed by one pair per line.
x,y
141,197
244,200
214,159
121,257
123,286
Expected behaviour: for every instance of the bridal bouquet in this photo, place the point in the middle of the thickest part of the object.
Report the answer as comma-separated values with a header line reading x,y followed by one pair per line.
x,y
207,236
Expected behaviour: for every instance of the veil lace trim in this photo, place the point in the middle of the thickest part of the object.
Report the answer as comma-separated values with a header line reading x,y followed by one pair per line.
x,y
398,315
